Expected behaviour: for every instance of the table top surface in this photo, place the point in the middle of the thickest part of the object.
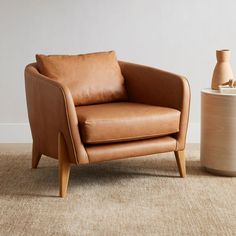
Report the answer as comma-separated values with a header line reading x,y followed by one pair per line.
x,y
216,92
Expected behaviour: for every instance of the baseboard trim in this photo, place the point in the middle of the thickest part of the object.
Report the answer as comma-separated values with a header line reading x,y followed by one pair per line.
x,y
20,133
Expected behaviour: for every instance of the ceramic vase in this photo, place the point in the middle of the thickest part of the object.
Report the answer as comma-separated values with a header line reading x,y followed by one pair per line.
x,y
222,72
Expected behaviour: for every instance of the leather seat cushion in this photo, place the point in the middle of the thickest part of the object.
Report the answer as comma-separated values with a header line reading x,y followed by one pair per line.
x,y
124,121
92,78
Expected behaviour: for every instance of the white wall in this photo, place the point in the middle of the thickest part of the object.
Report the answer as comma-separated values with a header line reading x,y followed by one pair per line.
x,y
179,36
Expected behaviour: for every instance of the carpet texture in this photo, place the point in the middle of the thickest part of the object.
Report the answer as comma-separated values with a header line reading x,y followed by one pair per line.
x,y
137,196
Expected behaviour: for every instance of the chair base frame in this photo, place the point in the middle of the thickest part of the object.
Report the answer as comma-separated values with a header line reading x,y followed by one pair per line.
x,y
36,156
64,165
180,159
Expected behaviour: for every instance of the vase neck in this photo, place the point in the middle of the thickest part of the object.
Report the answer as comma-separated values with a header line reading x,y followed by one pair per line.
x,y
223,55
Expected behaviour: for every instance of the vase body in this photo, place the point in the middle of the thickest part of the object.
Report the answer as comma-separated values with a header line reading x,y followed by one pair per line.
x,y
222,72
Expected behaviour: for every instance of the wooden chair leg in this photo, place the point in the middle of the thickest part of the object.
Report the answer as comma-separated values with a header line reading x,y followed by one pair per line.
x,y
64,166
180,159
36,156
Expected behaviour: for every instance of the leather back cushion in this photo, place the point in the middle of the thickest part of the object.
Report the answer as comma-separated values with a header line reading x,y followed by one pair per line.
x,y
92,78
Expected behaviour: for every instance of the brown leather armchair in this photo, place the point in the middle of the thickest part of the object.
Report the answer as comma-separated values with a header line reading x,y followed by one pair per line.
x,y
146,111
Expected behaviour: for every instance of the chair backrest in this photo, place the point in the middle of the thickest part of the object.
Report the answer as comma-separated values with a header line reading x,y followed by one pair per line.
x,y
92,78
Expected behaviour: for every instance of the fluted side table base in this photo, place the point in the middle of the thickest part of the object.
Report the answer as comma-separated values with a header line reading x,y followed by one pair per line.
x,y
218,132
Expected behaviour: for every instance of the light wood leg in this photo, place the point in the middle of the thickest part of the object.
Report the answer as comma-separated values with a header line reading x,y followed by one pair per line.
x,y
35,157
180,159
64,165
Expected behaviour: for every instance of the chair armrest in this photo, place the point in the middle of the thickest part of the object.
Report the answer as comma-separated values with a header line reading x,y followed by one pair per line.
x,y
51,110
156,87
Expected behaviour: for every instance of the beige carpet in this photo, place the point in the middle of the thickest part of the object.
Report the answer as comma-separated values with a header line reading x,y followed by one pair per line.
x,y
139,196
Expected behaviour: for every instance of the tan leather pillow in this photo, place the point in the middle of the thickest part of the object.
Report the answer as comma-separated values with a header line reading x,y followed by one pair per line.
x,y
92,78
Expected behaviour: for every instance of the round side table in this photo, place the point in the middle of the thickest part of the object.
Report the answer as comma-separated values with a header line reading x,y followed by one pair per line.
x,y
218,132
